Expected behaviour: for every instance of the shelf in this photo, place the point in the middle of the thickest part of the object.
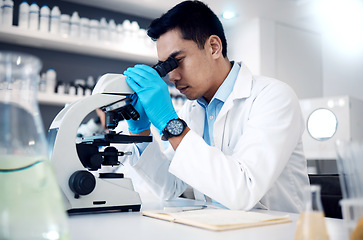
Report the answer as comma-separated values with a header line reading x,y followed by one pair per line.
x,y
24,37
56,99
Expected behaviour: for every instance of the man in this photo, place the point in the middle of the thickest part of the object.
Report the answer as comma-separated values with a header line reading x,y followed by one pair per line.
x,y
238,139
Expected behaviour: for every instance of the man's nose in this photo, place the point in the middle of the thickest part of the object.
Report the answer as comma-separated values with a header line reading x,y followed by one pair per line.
x,y
174,76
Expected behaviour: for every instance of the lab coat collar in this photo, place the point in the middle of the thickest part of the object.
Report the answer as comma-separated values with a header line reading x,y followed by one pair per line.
x,y
243,84
241,89
197,121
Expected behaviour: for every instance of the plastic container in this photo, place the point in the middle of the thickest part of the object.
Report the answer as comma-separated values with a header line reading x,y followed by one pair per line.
x,y
44,17
42,82
51,79
93,30
61,88
112,32
127,34
23,21
1,11
134,35
79,91
72,90
103,30
84,28
75,25
141,39
34,17
88,92
120,34
7,12
64,25
31,203
55,20
90,83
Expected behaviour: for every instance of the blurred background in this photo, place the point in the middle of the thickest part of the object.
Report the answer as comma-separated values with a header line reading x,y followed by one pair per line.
x,y
316,46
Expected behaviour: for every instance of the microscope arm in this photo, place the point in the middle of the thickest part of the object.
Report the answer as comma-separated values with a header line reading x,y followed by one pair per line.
x,y
81,189
64,157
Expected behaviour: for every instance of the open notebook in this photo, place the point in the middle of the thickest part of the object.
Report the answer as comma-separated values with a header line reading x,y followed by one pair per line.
x,y
218,219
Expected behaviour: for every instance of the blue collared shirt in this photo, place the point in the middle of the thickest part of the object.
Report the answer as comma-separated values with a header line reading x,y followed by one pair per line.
x,y
214,107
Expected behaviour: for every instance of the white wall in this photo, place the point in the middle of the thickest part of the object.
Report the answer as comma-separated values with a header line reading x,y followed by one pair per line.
x,y
273,49
243,40
342,71
257,42
298,60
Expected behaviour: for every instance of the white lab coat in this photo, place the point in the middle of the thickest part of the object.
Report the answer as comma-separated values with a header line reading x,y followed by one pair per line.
x,y
257,159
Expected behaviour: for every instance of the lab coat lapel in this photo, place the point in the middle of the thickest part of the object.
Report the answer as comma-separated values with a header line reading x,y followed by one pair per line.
x,y
197,120
241,89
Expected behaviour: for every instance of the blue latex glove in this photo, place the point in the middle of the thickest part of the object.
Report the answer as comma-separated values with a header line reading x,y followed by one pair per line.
x,y
153,94
143,123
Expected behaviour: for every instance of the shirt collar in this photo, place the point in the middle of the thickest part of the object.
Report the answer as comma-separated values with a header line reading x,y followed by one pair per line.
x,y
226,88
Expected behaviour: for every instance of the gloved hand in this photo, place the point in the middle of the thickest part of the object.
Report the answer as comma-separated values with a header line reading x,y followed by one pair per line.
x,y
143,123
153,94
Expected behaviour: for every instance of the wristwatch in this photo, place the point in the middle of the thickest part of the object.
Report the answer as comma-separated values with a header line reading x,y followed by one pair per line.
x,y
174,127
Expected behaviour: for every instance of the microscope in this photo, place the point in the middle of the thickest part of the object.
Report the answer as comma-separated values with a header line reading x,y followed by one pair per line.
x,y
75,162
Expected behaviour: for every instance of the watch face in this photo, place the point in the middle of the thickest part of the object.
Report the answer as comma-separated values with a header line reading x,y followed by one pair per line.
x,y
175,127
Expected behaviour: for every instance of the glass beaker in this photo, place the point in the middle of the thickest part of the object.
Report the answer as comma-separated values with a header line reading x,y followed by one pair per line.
x,y
311,222
350,168
31,205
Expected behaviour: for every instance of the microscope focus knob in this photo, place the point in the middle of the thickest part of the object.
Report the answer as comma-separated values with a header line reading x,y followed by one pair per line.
x,y
82,182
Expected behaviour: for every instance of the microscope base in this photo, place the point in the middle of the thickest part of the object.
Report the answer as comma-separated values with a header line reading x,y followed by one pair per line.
x,y
79,211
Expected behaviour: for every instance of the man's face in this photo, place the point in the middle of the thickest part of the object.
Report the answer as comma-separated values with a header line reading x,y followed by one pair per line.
x,y
194,75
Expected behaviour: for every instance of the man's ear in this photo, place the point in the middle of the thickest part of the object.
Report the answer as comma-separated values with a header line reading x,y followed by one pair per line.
x,y
215,46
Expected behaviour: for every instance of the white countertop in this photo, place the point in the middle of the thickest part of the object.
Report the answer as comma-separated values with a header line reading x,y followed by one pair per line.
x,y
132,225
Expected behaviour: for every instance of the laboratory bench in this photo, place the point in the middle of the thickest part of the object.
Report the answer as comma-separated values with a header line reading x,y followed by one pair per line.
x,y
132,225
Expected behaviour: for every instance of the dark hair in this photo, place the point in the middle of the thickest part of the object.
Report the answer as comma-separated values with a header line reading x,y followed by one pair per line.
x,y
194,19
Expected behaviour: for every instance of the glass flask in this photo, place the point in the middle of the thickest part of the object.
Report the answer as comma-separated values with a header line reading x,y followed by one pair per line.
x,y
311,222
31,204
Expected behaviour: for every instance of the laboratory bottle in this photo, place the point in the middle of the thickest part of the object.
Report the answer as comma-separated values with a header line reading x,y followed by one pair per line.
x,y
72,90
61,88
84,28
90,83
8,7
311,223
134,31
31,203
55,20
43,82
44,18
126,26
103,30
93,30
112,33
1,12
74,25
34,16
51,79
23,21
120,34
141,40
64,25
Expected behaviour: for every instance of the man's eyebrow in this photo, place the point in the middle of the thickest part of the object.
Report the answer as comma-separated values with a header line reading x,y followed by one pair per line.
x,y
174,54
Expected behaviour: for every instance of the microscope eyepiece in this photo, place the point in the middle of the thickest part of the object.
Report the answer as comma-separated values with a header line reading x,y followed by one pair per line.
x,y
165,67
127,111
